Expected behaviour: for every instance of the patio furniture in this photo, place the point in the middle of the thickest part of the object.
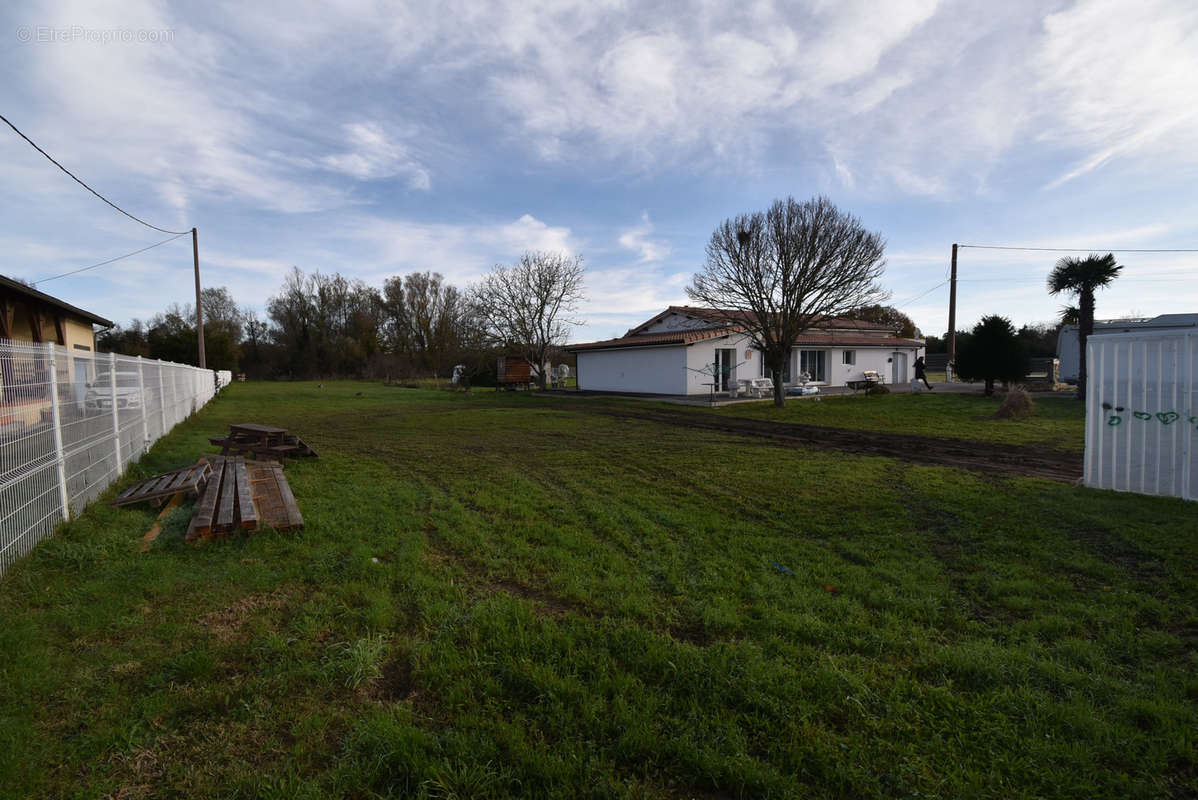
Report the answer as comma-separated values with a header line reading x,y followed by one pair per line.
x,y
760,387
800,386
868,380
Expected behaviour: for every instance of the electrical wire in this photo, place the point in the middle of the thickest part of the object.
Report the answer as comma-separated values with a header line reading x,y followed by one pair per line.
x,y
84,185
921,294
1072,249
109,261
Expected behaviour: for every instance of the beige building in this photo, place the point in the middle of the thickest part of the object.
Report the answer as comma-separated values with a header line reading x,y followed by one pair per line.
x,y
27,315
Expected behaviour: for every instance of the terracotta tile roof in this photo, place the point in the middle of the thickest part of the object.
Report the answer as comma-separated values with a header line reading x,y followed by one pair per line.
x,y
848,340
649,339
834,331
817,338
725,316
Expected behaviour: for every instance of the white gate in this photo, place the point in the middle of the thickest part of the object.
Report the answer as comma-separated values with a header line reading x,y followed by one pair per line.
x,y
1142,412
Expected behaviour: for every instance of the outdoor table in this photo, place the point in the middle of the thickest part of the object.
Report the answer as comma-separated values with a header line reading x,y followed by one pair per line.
x,y
253,438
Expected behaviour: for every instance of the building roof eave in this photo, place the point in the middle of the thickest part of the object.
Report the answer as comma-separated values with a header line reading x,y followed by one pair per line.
x,y
33,294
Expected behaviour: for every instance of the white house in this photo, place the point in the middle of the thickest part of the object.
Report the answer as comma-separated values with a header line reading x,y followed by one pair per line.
x,y
686,350
1069,353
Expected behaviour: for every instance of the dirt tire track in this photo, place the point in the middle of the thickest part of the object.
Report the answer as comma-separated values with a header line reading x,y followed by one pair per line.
x,y
1001,459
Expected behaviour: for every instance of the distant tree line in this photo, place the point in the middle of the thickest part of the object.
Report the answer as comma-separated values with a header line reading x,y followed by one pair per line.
x,y
320,325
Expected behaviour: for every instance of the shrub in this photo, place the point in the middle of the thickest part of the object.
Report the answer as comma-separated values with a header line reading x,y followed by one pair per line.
x,y
1016,404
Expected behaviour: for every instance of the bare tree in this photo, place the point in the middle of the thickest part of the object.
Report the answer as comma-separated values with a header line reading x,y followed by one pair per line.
x,y
425,317
780,272
528,307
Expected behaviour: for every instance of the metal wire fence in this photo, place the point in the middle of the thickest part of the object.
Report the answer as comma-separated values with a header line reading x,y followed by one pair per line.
x,y
71,421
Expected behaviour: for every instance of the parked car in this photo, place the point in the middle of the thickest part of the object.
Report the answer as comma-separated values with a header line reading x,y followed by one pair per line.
x,y
99,392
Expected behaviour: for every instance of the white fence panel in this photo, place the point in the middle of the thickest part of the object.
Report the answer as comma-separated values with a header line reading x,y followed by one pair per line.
x,y
1142,412
71,422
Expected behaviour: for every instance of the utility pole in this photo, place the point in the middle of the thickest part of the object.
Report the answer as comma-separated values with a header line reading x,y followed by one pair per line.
x,y
952,316
195,255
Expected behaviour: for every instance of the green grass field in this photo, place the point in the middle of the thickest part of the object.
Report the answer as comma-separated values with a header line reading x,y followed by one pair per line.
x,y
502,595
1058,422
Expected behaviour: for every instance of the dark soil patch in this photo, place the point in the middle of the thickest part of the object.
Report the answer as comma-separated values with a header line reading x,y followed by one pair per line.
x,y
1003,459
953,553
1123,553
395,683
544,603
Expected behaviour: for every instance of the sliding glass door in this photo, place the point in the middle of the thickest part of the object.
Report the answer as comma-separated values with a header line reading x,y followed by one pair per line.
x,y
815,364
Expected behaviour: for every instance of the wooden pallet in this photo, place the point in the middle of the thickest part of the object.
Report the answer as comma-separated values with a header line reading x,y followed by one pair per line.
x,y
272,495
227,502
189,480
244,494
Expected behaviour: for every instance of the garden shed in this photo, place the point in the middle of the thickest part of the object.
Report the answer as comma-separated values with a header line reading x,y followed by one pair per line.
x,y
1142,412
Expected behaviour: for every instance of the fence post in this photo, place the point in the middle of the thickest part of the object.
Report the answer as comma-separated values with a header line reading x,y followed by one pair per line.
x,y
161,399
141,393
60,459
116,419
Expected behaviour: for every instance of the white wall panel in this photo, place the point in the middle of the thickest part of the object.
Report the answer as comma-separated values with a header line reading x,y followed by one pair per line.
x,y
1142,412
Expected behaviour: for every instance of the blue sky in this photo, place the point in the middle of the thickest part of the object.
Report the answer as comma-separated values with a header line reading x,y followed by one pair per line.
x,y
377,139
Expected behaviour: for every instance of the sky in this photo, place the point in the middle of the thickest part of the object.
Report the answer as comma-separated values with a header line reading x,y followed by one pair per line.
x,y
376,139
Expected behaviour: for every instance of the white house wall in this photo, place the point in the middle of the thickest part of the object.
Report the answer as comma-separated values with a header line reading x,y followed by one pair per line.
x,y
701,355
651,370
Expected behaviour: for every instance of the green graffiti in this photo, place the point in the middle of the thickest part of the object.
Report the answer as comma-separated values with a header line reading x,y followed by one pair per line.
x,y
1114,420
1141,415
1168,417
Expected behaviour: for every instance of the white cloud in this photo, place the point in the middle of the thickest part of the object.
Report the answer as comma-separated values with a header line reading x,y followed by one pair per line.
x,y
459,251
1121,80
636,239
374,155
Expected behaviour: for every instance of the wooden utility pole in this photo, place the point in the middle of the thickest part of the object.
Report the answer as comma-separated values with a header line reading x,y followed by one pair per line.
x,y
195,255
952,316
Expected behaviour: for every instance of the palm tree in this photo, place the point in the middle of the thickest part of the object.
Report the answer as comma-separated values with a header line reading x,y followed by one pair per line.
x,y
1082,276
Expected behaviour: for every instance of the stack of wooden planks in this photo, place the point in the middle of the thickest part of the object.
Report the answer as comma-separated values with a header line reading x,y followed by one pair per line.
x,y
232,494
226,503
272,494
243,495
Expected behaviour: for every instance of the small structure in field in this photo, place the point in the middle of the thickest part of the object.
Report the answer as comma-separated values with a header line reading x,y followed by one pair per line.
x,y
513,372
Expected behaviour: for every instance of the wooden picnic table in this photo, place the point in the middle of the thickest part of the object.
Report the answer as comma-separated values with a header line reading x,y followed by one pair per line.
x,y
265,432
251,438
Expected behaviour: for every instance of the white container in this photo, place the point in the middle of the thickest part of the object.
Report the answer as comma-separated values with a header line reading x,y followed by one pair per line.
x,y
1142,412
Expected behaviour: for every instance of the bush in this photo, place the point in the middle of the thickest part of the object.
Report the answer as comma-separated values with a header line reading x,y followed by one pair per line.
x,y
878,389
1016,404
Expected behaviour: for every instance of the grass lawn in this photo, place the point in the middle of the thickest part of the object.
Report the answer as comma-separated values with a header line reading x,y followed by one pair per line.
x,y
1059,422
502,595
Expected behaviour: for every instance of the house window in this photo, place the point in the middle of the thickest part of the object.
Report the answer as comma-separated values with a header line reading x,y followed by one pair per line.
x,y
849,357
815,364
766,372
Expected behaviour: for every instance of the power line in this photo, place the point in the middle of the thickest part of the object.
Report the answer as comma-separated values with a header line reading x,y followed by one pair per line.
x,y
921,294
1029,281
1074,249
84,185
109,261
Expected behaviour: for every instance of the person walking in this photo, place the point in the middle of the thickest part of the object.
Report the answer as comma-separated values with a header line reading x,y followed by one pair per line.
x,y
921,372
